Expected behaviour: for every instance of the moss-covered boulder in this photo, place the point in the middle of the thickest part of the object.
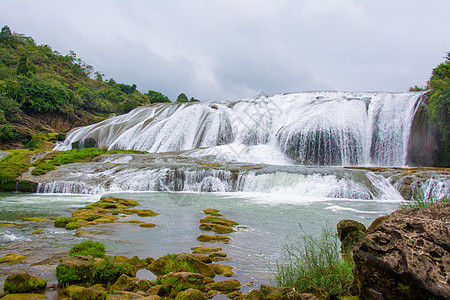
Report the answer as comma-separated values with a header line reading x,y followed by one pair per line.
x,y
213,238
218,220
180,263
23,296
63,221
254,295
124,283
72,289
147,225
23,283
204,249
95,292
212,212
190,294
350,232
74,269
224,286
282,293
218,228
12,258
223,270
176,282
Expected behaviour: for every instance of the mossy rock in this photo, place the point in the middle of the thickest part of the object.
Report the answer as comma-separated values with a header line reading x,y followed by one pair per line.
x,y
95,292
180,263
254,295
134,222
63,221
190,294
213,238
204,249
72,289
12,258
126,202
144,284
74,269
104,219
176,282
377,222
211,294
124,283
223,270
7,225
147,225
218,220
38,231
212,212
217,228
22,296
35,219
23,283
202,257
350,232
225,286
73,225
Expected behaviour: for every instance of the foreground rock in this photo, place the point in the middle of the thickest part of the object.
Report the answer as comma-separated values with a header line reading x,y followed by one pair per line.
x,y
406,256
23,283
350,233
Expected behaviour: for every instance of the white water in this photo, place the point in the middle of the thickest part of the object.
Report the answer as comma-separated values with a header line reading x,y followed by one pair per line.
x,y
314,128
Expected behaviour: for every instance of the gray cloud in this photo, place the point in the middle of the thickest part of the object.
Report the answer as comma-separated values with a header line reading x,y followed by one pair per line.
x,y
216,50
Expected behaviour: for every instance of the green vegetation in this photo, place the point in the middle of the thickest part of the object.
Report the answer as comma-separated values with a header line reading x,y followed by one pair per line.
x,y
174,265
439,105
420,199
34,79
317,263
88,247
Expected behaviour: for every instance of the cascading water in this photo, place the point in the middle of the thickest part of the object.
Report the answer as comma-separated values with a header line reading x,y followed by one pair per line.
x,y
316,128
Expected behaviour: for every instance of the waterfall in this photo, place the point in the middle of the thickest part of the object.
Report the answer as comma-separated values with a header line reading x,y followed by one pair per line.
x,y
311,128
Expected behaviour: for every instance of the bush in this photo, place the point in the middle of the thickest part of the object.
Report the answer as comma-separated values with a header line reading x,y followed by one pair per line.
x,y
95,249
317,263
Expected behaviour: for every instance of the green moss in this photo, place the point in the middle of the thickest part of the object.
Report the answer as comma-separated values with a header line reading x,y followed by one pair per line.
x,y
63,221
73,225
88,247
35,219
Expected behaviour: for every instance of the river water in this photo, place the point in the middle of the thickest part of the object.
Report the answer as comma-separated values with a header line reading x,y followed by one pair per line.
x,y
267,222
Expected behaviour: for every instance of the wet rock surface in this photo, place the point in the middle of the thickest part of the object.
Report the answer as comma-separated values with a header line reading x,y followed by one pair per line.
x,y
406,256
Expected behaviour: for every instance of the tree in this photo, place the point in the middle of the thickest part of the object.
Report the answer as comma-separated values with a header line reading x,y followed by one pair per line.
x,y
182,98
439,105
6,36
22,67
193,100
157,97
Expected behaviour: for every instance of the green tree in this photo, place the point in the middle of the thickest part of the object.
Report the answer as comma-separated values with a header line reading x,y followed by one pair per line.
x,y
193,100
182,98
6,36
22,67
157,97
439,105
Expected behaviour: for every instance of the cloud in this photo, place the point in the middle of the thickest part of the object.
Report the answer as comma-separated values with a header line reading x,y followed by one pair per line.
x,y
215,50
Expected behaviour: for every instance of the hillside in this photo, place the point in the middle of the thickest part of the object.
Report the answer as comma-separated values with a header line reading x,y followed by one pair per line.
x,y
43,91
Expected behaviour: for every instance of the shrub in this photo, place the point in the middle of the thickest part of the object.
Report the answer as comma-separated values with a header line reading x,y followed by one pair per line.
x,y
66,276
88,247
315,262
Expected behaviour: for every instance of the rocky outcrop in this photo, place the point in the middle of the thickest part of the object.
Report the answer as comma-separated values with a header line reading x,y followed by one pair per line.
x,y
407,256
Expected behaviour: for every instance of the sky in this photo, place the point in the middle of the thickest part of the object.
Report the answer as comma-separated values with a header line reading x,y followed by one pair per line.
x,y
235,49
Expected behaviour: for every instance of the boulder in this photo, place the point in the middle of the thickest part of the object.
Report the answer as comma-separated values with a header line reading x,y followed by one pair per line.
x,y
124,283
190,294
178,263
23,283
12,258
406,256
225,286
74,269
213,238
204,249
224,270
95,292
350,233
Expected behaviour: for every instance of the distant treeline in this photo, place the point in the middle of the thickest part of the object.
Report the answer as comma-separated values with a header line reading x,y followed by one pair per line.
x,y
35,79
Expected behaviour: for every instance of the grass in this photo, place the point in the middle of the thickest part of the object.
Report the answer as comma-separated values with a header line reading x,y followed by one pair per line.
x,y
315,262
72,156
421,199
88,247
12,166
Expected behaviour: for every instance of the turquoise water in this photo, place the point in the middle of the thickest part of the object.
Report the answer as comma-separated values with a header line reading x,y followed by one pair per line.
x,y
266,223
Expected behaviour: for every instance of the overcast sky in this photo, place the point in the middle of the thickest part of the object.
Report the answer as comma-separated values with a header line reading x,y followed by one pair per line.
x,y
234,49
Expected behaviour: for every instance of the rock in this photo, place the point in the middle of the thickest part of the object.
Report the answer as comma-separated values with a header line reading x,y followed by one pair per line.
x,y
95,292
144,285
204,249
124,283
63,221
203,257
71,290
24,297
79,267
406,256
12,258
224,270
224,286
180,262
218,220
254,295
152,297
37,231
212,211
213,238
23,283
120,295
211,294
183,281
218,228
35,219
350,233
234,295
190,294
147,225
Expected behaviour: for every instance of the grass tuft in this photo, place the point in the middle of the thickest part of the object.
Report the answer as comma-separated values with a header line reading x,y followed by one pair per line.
x,y
88,247
421,199
315,262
